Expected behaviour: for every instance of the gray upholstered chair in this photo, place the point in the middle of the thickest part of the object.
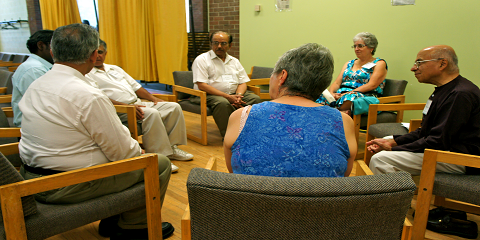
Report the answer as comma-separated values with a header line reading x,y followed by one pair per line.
x,y
6,80
183,90
15,61
260,79
392,93
40,221
380,130
464,188
7,57
235,206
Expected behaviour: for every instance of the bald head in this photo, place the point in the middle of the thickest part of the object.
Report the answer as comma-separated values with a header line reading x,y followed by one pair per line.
x,y
445,52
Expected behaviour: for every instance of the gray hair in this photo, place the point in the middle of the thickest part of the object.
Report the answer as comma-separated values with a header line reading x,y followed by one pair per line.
x,y
74,43
104,44
449,55
309,70
369,39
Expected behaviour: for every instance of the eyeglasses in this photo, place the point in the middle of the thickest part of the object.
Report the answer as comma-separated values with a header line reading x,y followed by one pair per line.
x,y
222,43
359,46
417,63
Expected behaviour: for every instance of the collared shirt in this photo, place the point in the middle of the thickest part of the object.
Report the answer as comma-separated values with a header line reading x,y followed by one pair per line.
x,y
67,124
224,76
33,68
116,83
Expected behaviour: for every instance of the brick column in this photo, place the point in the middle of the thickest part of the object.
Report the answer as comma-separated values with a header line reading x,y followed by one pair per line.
x,y
224,16
34,16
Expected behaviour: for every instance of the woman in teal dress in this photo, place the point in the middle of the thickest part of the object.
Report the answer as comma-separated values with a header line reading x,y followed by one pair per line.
x,y
360,77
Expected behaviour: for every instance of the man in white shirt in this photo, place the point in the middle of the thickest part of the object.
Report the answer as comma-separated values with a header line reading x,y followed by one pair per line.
x,y
67,124
36,65
223,78
163,124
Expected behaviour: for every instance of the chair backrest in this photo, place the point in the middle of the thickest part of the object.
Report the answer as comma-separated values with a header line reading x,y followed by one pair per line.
x,y
11,175
261,72
20,58
394,87
184,79
235,206
7,57
6,80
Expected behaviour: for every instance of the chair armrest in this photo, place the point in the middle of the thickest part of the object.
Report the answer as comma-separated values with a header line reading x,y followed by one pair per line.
x,y
392,99
9,64
362,168
198,93
186,224
259,81
131,112
12,69
10,194
166,97
10,132
414,124
8,112
254,89
3,89
6,98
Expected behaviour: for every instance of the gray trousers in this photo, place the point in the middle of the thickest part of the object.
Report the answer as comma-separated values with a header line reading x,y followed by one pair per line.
x,y
393,161
222,108
163,125
133,219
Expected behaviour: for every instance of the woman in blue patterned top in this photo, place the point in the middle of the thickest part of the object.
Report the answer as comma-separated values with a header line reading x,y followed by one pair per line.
x,y
363,76
292,136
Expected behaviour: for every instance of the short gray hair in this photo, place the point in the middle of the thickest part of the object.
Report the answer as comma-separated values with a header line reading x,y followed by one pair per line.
x,y
369,39
449,55
309,70
74,43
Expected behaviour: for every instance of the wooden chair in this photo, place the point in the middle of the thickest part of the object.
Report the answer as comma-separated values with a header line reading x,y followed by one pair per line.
x,y
183,90
379,130
286,208
392,93
16,61
24,218
6,80
464,188
131,112
260,76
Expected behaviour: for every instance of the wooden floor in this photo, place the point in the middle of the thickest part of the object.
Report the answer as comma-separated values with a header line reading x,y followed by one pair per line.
x,y
176,198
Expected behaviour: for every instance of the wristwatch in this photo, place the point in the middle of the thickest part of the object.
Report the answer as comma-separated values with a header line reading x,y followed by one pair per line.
x,y
239,93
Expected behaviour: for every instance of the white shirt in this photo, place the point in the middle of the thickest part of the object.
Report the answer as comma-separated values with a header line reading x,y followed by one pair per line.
x,y
116,83
224,76
67,124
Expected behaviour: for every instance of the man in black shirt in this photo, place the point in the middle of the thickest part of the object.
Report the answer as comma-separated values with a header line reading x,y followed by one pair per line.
x,y
451,118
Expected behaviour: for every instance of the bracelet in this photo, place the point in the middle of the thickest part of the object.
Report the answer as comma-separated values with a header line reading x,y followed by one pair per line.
x,y
239,94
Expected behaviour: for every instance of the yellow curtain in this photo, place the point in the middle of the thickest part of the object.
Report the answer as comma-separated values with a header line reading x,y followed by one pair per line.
x,y
57,13
147,38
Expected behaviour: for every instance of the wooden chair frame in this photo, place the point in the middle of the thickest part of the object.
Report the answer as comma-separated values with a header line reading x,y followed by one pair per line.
x,y
203,111
10,194
427,179
372,118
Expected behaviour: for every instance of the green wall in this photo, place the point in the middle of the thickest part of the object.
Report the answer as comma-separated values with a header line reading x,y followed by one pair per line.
x,y
401,32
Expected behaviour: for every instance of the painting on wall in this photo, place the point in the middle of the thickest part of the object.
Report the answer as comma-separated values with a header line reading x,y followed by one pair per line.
x,y
283,5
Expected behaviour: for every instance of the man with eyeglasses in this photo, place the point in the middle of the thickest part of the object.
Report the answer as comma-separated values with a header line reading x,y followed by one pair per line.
x,y
224,80
451,119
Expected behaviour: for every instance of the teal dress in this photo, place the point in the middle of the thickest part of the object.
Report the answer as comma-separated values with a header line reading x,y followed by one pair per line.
x,y
284,140
354,79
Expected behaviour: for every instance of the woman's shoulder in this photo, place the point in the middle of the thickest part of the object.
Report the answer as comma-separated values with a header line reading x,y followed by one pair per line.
x,y
380,61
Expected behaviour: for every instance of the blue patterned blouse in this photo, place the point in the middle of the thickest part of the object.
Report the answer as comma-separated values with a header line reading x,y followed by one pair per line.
x,y
291,141
354,79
